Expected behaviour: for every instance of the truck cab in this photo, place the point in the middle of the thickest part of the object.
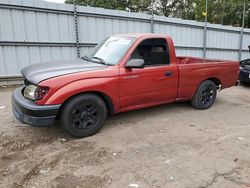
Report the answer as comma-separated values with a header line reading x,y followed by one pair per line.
x,y
156,81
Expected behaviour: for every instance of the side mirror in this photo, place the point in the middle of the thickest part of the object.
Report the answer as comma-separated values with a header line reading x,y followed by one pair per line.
x,y
135,63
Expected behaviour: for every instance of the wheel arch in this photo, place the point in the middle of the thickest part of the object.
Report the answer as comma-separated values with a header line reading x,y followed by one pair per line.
x,y
216,81
107,100
213,79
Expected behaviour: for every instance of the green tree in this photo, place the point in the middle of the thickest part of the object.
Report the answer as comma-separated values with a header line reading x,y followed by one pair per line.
x,y
128,5
226,12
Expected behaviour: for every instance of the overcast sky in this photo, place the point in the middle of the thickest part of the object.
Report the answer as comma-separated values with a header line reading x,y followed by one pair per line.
x,y
56,1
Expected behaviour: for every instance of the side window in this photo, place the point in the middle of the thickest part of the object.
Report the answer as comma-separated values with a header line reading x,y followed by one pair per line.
x,y
153,51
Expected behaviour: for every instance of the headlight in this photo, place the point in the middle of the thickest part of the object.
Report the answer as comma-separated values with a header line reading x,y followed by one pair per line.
x,y
34,92
29,92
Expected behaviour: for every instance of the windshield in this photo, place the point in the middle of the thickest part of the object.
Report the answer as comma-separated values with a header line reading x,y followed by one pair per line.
x,y
112,49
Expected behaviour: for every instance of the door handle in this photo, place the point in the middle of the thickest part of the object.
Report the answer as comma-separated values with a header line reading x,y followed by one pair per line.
x,y
168,73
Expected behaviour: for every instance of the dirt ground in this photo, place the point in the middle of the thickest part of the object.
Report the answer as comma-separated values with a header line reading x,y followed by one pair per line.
x,y
172,145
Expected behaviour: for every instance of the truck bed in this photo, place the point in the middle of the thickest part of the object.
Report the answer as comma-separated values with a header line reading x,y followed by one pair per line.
x,y
193,70
194,60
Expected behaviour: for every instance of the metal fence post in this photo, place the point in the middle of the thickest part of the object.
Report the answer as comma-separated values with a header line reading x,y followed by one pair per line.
x,y
152,18
242,32
76,31
205,35
240,44
152,24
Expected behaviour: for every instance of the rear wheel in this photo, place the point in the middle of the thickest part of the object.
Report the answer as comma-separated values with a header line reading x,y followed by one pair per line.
x,y
205,95
83,115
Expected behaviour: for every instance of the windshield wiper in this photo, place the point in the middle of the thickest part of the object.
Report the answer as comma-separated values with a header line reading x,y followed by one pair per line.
x,y
100,60
96,58
85,57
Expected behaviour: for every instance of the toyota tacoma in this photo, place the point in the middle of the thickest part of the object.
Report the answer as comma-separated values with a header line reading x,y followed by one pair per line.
x,y
124,72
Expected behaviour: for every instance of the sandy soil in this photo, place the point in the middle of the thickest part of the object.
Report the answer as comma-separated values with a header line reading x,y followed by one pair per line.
x,y
167,146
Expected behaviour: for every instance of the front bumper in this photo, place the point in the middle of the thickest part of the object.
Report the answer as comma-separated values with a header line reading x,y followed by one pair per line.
x,y
244,76
28,112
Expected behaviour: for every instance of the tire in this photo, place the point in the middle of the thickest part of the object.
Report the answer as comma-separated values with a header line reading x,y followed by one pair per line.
x,y
83,115
205,95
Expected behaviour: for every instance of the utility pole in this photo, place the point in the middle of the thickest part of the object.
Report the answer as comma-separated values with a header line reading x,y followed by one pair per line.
x,y
185,8
205,34
223,12
241,31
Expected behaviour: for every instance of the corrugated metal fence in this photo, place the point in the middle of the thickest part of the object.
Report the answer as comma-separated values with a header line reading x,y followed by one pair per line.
x,y
35,31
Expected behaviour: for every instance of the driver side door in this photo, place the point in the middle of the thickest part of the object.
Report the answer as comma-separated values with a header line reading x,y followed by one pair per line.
x,y
154,84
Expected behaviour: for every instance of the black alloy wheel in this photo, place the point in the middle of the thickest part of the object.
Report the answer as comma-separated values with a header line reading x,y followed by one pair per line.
x,y
83,115
205,95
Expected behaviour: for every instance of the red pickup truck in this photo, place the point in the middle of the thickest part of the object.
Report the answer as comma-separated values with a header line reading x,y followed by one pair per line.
x,y
124,72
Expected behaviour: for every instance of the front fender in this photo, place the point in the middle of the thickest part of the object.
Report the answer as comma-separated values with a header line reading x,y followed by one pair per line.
x,y
108,86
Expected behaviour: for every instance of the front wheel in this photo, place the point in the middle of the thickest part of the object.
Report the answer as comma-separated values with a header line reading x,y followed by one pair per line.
x,y
205,95
83,115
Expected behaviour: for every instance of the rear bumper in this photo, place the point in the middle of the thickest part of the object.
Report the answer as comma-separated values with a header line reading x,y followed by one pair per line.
x,y
28,112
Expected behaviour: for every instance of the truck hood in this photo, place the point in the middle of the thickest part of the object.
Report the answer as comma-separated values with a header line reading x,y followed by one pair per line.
x,y
43,71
